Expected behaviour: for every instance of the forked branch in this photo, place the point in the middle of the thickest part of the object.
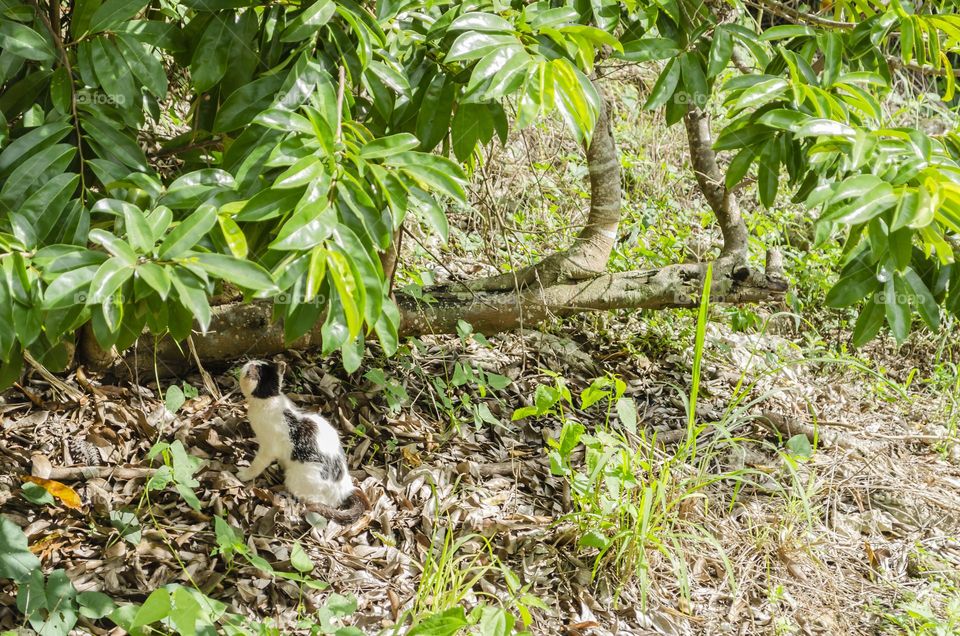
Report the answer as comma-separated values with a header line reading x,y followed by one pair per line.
x,y
590,251
722,201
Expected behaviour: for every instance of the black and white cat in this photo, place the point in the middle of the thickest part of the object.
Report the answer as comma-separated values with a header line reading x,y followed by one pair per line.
x,y
305,444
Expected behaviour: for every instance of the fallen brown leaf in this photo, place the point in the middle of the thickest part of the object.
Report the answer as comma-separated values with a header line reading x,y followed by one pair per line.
x,y
63,492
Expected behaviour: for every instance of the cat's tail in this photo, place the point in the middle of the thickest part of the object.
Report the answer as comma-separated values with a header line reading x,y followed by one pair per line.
x,y
356,504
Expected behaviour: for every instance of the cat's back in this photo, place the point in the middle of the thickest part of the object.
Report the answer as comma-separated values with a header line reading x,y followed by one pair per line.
x,y
327,437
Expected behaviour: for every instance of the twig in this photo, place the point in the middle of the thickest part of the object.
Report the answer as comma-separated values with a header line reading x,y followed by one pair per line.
x,y
208,382
77,473
927,71
789,427
463,284
65,59
340,88
69,391
35,399
167,152
798,17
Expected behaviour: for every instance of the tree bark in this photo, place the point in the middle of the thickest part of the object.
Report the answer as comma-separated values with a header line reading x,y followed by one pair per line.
x,y
246,330
590,251
711,180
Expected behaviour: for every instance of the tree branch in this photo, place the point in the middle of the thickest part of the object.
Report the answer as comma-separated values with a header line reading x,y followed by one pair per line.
x,y
795,16
248,330
590,251
723,202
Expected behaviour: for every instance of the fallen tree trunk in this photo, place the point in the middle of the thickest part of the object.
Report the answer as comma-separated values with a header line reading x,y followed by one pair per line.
x,y
246,330
674,286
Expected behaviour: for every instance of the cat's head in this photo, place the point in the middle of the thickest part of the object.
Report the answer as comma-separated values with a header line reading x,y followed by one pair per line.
x,y
261,379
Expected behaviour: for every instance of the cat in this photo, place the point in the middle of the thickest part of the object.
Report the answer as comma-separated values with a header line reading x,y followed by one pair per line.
x,y
305,444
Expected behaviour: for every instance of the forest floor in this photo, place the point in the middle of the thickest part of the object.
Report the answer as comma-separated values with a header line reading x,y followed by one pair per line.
x,y
793,486
753,535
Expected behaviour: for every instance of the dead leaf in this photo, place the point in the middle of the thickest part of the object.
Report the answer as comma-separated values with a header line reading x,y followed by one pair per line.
x,y
410,455
41,465
63,492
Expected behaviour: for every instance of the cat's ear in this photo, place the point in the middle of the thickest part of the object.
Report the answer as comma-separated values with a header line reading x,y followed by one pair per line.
x,y
281,369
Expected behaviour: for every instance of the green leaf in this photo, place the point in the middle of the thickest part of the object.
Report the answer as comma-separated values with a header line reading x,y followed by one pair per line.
x,y
64,290
42,209
786,31
445,623
476,21
694,80
594,539
861,210
308,21
783,118
923,299
16,560
739,166
761,93
240,272
799,446
115,245
31,143
191,189
188,232
36,494
268,204
853,287
302,232
193,297
627,411
156,277
768,172
109,277
648,49
285,120
210,58
897,308
390,145
301,173
113,12
665,86
433,120
119,145
95,605
185,611
113,74
511,58
495,621
824,127
473,45
139,231
159,220
22,41
299,559
721,50
144,65
155,608
433,173
246,102
233,235
339,272
37,168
